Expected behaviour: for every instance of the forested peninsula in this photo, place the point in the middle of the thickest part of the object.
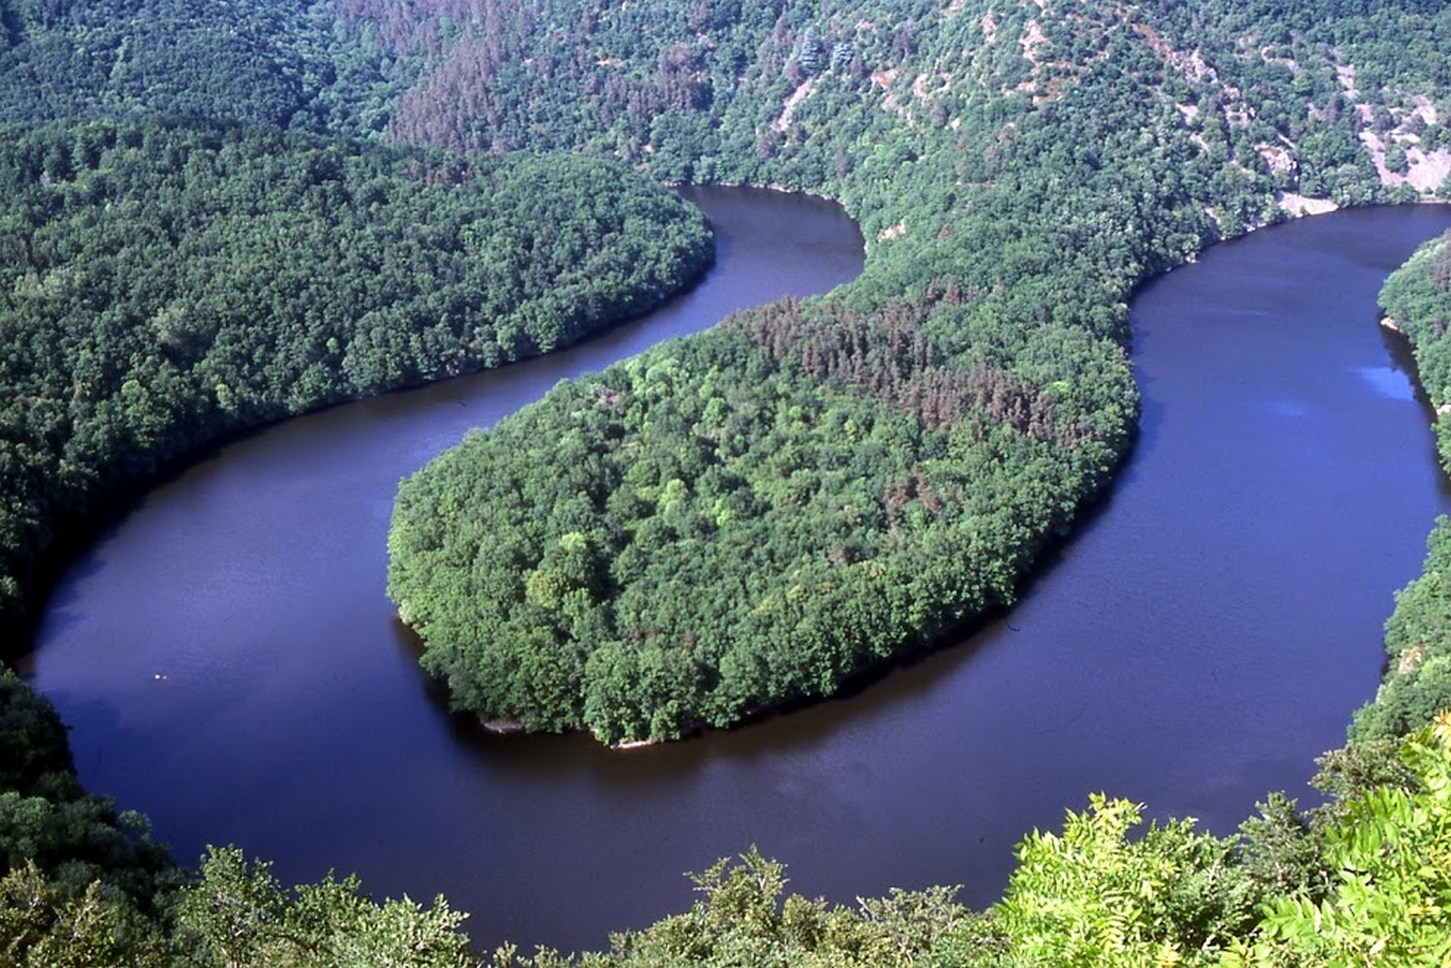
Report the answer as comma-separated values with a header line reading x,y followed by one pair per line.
x,y
916,438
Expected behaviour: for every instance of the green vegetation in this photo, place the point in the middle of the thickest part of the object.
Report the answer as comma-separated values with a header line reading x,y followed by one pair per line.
x,y
48,821
163,285
1417,681
832,482
691,557
838,481
1388,848
275,63
83,886
1417,301
1362,880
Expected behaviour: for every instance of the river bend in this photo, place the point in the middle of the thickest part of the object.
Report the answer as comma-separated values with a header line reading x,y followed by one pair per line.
x,y
229,664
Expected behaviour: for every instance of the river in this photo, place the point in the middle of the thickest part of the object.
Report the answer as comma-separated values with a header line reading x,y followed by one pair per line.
x,y
229,664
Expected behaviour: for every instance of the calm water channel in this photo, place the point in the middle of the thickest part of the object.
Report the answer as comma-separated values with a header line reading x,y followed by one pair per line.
x,y
229,663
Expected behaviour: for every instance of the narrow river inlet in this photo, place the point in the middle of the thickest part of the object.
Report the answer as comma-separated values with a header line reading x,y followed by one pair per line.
x,y
229,664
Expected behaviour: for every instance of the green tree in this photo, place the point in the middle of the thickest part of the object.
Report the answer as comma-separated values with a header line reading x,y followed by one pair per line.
x,y
1093,896
810,53
1395,158
239,916
1390,851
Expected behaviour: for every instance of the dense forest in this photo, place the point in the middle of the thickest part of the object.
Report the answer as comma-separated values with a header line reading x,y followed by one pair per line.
x,y
692,557
161,285
283,64
729,521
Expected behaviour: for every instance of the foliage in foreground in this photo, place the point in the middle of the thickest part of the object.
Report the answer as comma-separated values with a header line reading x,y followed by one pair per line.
x,y
234,914
1364,880
1389,853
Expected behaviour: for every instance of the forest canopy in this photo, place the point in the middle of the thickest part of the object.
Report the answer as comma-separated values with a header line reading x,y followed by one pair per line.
x,y
691,558
286,64
162,284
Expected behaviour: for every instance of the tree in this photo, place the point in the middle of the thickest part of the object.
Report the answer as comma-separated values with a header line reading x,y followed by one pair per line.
x,y
1390,849
239,916
47,925
1092,896
809,52
1395,158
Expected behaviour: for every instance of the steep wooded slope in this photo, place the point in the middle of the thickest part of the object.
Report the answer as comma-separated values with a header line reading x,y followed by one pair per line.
x,y
755,516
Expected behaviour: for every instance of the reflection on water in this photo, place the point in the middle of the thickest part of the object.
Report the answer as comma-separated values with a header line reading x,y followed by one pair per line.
x,y
1391,381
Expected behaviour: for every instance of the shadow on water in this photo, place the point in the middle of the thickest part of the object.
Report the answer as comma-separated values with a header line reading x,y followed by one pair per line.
x,y
71,558
1403,359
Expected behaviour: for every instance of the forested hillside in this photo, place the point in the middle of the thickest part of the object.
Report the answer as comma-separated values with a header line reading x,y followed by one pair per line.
x,y
835,483
268,61
730,521
162,285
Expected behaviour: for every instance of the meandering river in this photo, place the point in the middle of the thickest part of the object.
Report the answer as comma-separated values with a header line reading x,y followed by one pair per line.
x,y
229,664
